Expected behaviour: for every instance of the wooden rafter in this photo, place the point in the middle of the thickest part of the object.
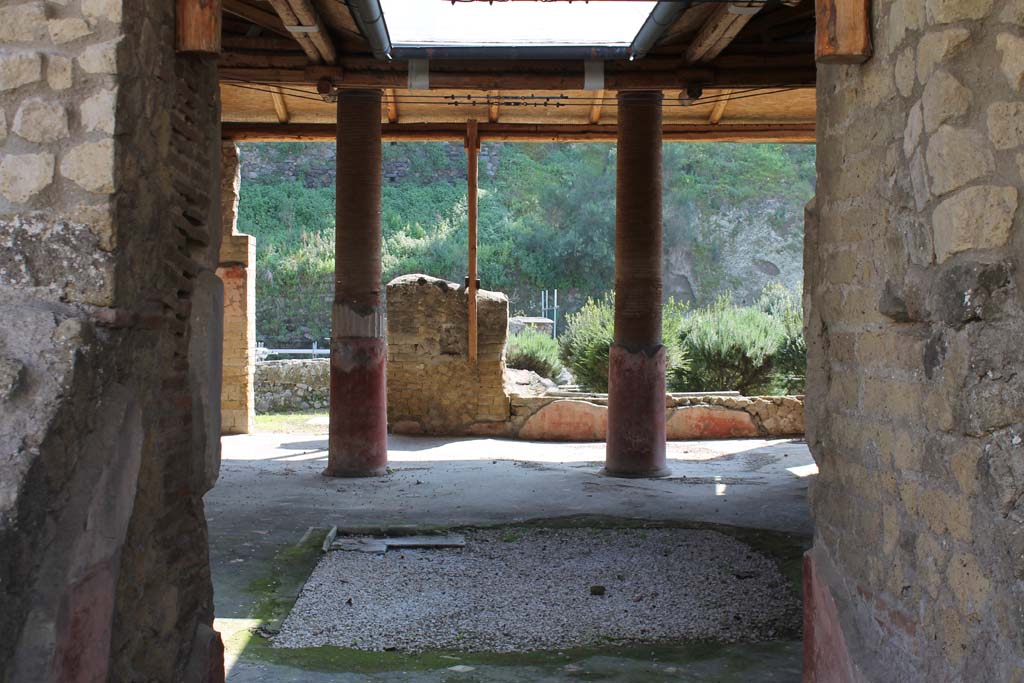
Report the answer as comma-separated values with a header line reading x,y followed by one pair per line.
x,y
516,132
718,111
309,19
595,108
721,26
493,106
280,106
288,18
391,104
256,16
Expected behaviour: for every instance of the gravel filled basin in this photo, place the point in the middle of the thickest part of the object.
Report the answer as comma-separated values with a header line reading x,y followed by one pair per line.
x,y
522,589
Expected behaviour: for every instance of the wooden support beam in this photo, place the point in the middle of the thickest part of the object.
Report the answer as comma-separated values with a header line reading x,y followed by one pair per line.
x,y
595,108
198,26
718,111
280,106
391,104
724,23
522,132
288,18
472,144
308,18
256,16
387,76
843,31
494,106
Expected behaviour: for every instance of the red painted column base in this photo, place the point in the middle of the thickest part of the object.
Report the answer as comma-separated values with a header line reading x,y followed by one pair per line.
x,y
826,659
636,413
358,443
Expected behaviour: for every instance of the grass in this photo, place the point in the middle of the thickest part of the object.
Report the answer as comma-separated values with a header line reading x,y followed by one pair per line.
x,y
290,423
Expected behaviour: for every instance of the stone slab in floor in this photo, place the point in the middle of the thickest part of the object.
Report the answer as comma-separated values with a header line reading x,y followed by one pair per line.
x,y
524,589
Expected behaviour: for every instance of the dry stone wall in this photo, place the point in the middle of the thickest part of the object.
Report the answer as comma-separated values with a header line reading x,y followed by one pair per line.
x,y
432,386
914,320
110,344
284,386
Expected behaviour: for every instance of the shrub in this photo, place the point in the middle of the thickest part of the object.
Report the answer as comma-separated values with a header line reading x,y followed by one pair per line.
x,y
536,351
585,341
589,334
791,355
729,348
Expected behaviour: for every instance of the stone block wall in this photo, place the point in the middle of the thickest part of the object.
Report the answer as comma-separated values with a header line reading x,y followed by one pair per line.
x,y
237,270
914,323
110,344
284,386
432,386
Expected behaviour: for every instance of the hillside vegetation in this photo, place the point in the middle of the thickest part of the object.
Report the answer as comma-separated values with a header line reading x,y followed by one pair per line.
x,y
733,220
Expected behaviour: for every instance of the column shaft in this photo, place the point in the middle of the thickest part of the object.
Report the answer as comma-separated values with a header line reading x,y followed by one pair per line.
x,y
636,367
358,410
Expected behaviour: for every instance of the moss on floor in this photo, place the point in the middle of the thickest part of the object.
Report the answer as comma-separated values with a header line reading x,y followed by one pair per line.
x,y
276,592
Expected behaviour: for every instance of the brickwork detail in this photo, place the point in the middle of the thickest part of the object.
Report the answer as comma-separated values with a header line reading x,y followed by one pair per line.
x,y
237,271
432,387
914,319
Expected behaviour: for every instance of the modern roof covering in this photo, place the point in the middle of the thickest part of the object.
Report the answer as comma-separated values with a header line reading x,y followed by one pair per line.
x,y
729,70
433,22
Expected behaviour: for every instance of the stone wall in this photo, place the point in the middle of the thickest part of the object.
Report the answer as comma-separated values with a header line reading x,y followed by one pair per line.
x,y
432,386
237,270
110,344
284,386
914,326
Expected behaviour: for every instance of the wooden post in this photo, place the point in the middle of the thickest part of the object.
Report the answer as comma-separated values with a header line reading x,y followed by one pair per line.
x,y
843,31
472,149
198,28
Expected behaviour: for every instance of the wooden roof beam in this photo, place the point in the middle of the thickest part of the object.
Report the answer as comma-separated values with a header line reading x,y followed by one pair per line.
x,y
720,28
718,111
521,132
288,18
256,16
595,108
280,106
493,106
391,105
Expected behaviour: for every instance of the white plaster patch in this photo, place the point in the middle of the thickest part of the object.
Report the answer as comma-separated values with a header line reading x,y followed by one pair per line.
x,y
955,157
91,166
20,68
22,176
1012,49
974,218
40,120
66,30
22,23
98,111
100,58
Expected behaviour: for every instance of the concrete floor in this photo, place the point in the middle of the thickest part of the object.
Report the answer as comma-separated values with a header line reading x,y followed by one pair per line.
x,y
270,493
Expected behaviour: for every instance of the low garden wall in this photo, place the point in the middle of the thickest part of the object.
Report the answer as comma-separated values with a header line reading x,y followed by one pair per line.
x,y
285,386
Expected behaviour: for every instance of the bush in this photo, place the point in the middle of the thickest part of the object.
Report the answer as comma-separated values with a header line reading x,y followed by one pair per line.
x,y
589,334
536,351
585,341
729,348
791,355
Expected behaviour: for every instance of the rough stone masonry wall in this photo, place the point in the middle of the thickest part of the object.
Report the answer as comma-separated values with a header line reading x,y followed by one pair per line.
x,y
916,368
110,344
432,386
237,270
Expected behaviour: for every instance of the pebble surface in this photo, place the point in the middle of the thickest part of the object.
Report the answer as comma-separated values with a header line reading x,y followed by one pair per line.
x,y
523,589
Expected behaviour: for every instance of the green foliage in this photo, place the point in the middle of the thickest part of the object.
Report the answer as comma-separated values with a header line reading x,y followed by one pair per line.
x,y
729,348
585,341
791,354
536,351
546,220
588,335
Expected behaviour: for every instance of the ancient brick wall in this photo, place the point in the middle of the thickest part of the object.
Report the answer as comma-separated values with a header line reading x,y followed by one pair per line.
x,y
237,270
915,389
432,386
110,344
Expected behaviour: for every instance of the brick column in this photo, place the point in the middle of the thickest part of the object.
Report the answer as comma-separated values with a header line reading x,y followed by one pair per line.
x,y
636,363
237,270
358,415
